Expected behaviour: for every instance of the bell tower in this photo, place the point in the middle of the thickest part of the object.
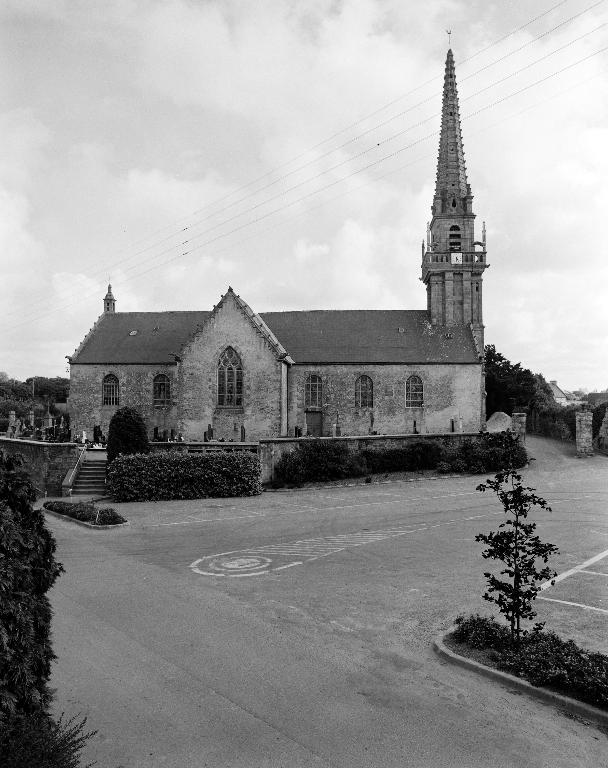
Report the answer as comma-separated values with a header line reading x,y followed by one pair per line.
x,y
453,262
109,302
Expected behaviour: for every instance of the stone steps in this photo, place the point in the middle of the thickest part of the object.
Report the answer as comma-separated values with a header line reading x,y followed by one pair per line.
x,y
91,479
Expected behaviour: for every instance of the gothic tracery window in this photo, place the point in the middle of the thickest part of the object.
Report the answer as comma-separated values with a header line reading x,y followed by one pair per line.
x,y
161,390
229,379
364,392
414,392
313,391
110,390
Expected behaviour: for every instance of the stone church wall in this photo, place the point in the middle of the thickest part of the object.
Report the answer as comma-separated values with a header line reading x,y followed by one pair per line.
x,y
262,373
450,392
85,403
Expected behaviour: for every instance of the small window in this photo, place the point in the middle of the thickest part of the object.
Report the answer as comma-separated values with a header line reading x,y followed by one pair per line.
x,y
364,392
414,392
230,379
313,391
111,393
161,391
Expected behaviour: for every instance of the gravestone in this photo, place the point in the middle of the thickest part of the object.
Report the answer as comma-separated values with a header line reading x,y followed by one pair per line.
x,y
498,422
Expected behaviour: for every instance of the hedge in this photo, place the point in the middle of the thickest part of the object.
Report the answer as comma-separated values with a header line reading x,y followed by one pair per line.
x,y
85,512
320,460
541,658
167,475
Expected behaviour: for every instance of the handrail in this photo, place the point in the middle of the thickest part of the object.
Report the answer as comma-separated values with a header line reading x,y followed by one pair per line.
x,y
68,480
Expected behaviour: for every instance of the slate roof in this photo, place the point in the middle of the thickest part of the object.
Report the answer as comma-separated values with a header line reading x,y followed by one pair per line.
x,y
320,336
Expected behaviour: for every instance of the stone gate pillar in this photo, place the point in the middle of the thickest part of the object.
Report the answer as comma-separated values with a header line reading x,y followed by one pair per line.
x,y
584,434
602,439
518,426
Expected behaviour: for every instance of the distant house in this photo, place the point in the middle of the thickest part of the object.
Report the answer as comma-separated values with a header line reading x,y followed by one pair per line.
x,y
560,397
597,398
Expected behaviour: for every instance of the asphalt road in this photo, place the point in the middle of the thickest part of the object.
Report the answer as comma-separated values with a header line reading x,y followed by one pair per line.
x,y
295,629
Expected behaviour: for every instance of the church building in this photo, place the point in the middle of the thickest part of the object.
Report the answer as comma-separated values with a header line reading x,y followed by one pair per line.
x,y
232,374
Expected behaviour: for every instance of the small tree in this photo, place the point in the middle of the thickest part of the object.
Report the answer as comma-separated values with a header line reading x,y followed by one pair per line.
x,y
517,546
127,433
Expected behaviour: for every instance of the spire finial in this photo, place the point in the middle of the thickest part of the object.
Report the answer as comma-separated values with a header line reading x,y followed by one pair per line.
x,y
449,34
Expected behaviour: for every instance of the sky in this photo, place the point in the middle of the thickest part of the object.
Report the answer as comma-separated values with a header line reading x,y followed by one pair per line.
x,y
289,150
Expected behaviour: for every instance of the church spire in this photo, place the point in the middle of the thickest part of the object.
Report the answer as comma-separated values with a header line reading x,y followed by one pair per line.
x,y
451,186
453,260
109,302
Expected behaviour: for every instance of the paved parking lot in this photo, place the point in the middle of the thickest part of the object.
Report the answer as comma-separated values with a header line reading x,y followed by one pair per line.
x,y
294,628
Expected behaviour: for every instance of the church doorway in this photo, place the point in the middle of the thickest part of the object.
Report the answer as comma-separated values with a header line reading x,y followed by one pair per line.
x,y
314,423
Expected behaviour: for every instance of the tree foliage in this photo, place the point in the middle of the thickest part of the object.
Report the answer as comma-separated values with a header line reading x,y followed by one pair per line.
x,y
510,387
127,433
27,571
516,545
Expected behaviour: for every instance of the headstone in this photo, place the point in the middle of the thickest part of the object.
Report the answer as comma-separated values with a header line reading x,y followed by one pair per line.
x,y
518,425
584,434
499,422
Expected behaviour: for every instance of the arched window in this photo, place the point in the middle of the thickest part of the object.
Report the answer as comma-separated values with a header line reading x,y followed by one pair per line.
x,y
313,391
414,392
455,238
111,392
364,392
161,391
229,379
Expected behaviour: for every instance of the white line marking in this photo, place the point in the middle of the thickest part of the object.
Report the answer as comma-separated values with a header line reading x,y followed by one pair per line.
x,y
595,573
576,569
289,565
577,605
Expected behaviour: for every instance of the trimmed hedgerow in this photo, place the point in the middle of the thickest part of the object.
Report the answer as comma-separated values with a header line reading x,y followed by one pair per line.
x,y
319,460
86,512
541,658
166,475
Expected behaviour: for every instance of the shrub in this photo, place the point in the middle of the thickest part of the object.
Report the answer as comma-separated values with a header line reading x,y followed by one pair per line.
x,y
545,659
127,434
481,632
541,658
319,460
37,741
598,417
86,512
28,569
169,475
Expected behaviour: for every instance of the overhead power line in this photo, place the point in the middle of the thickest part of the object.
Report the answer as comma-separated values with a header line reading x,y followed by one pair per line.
x,y
174,234
342,179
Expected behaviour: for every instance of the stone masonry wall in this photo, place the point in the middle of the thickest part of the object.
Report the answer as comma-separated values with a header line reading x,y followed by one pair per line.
x,y
85,403
46,463
451,392
584,433
262,373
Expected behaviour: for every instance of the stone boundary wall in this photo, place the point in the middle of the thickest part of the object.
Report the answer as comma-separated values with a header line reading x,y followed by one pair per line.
x,y
46,463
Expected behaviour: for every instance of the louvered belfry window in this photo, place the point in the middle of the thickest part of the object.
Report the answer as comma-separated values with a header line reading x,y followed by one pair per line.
x,y
364,392
414,392
111,392
161,390
313,391
230,379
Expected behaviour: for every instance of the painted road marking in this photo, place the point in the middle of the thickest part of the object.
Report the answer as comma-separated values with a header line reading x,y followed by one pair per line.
x,y
270,557
595,573
295,509
578,605
574,570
